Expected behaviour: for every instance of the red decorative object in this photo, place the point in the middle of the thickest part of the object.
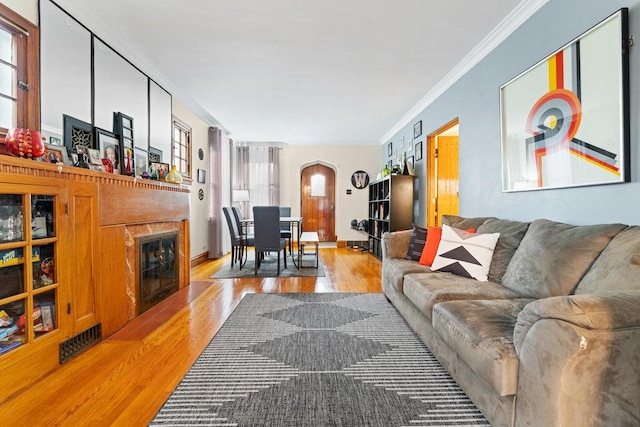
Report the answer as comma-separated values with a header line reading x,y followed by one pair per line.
x,y
25,143
108,165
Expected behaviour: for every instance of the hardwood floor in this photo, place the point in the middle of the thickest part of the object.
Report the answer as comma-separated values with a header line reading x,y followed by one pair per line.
x,y
125,379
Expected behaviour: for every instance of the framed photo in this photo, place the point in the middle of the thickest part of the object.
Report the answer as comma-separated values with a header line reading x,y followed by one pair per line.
x,y
54,140
402,142
417,129
410,165
158,170
109,146
565,120
202,176
123,127
142,162
81,157
155,155
390,149
390,164
77,133
94,157
419,150
410,145
55,154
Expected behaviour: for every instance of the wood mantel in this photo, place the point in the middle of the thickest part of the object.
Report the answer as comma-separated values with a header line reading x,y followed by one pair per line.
x,y
122,207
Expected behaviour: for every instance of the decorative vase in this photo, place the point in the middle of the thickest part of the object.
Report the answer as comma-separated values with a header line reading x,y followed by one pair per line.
x,y
173,176
25,143
386,171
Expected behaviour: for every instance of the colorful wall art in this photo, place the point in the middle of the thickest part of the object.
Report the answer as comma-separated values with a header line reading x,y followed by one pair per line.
x,y
565,120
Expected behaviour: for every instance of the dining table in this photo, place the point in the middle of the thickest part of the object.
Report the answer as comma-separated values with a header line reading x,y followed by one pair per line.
x,y
296,228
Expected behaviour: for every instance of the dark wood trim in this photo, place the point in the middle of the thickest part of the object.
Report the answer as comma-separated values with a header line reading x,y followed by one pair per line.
x,y
199,259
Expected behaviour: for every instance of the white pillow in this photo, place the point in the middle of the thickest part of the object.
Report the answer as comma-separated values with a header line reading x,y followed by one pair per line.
x,y
465,254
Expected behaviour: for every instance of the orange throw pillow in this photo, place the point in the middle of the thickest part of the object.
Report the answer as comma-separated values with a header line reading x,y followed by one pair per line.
x,y
434,234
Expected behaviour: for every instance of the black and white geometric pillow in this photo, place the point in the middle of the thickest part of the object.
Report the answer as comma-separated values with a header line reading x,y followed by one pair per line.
x,y
465,254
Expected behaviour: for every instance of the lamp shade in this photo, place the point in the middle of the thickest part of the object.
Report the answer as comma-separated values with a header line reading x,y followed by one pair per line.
x,y
240,195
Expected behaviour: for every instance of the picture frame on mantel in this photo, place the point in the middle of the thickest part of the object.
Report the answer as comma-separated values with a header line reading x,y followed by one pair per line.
x,y
565,120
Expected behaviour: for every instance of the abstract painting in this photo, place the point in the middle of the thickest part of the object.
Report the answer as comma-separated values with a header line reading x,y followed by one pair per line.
x,y
565,121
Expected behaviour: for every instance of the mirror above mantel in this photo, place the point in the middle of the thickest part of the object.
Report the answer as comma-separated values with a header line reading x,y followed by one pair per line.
x,y
83,77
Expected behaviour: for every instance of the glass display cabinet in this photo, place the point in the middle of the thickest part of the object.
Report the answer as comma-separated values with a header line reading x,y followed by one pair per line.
x,y
28,279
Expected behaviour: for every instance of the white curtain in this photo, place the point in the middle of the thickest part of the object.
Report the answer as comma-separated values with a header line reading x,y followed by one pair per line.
x,y
257,169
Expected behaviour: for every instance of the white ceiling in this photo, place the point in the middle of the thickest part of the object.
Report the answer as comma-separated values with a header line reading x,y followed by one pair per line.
x,y
297,71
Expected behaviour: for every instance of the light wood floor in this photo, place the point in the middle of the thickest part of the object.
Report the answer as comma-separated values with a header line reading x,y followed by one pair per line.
x,y
125,379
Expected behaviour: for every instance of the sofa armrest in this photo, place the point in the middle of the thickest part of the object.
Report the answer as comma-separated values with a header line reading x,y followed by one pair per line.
x,y
395,244
602,311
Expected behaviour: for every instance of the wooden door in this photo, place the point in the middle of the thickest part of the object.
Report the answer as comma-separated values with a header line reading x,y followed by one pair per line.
x,y
443,174
318,211
83,281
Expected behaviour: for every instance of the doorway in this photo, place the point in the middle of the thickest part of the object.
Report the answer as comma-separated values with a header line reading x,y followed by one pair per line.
x,y
442,173
317,199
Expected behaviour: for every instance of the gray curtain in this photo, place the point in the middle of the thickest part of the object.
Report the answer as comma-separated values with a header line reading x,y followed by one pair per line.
x,y
215,193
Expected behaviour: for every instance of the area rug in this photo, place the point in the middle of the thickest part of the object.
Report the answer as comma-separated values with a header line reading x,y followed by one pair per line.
x,y
317,360
268,268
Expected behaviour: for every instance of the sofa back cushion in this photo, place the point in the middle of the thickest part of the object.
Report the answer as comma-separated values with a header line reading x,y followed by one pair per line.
x,y
553,257
511,234
618,266
463,223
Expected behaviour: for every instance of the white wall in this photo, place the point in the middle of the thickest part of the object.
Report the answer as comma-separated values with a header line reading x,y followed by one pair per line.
x,y
27,8
345,160
199,222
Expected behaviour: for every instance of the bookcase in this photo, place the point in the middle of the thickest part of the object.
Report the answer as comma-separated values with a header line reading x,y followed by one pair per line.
x,y
390,208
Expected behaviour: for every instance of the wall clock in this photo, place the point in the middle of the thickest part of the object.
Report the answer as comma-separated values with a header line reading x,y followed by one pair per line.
x,y
360,179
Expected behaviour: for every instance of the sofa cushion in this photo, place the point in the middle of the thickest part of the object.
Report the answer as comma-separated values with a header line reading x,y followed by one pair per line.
x,y
416,244
481,333
553,257
618,266
425,290
394,270
465,254
511,234
464,223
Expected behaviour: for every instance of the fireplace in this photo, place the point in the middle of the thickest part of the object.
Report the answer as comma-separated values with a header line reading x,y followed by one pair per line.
x,y
157,276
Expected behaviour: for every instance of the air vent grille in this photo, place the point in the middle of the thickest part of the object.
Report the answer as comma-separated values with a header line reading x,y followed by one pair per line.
x,y
77,344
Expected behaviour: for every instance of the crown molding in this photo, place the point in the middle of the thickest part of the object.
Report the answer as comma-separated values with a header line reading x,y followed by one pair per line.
x,y
519,15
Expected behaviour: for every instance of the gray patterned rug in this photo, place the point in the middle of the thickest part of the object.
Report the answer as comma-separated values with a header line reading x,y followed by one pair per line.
x,y
317,360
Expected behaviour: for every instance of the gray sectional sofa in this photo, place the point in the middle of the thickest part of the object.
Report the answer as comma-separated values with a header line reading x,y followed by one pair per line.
x,y
552,339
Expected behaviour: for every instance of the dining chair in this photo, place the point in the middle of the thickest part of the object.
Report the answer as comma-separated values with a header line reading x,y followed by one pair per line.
x,y
285,227
237,213
266,231
239,242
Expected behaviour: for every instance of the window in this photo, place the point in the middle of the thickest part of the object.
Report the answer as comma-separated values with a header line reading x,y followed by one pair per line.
x,y
19,87
181,147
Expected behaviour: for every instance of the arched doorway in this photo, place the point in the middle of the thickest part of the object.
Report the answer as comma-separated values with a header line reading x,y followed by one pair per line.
x,y
317,200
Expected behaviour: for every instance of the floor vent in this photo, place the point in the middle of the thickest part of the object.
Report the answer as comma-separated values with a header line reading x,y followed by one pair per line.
x,y
76,345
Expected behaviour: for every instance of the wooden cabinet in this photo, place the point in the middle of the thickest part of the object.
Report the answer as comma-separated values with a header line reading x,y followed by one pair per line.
x,y
67,265
390,208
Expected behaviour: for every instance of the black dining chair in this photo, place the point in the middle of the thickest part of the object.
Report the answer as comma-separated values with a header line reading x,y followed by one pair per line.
x,y
239,242
285,227
266,231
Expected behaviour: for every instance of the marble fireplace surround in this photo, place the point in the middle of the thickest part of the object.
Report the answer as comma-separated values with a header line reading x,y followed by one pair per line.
x,y
137,230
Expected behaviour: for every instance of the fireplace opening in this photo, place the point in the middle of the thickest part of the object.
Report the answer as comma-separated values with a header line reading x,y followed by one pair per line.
x,y
157,276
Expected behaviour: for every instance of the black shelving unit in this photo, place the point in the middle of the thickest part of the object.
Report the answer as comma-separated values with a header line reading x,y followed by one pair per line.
x,y
390,208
